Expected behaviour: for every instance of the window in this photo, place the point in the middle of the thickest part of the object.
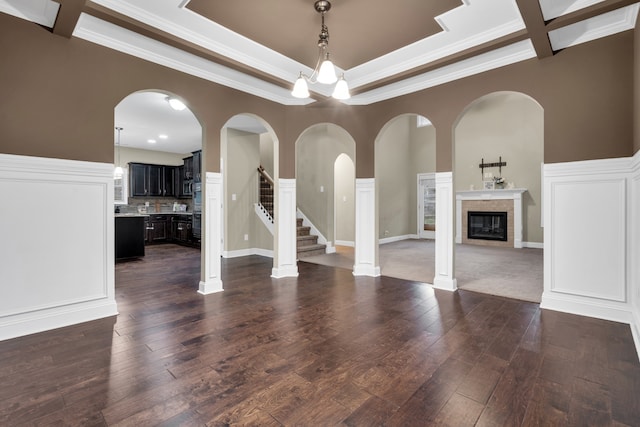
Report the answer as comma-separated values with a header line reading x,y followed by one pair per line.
x,y
120,188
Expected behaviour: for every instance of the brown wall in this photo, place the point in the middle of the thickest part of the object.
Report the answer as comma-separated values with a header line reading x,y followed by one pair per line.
x,y
59,95
584,91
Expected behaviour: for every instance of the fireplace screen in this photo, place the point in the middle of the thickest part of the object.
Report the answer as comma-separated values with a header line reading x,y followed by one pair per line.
x,y
487,225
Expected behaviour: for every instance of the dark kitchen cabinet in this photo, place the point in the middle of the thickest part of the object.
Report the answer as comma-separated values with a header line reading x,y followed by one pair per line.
x,y
188,168
197,166
155,185
129,236
157,228
169,184
151,180
137,179
181,229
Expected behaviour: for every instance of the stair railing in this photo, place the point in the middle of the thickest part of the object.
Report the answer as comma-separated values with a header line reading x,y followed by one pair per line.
x,y
265,190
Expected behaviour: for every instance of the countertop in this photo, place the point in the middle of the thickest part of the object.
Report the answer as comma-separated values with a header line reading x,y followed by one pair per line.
x,y
132,214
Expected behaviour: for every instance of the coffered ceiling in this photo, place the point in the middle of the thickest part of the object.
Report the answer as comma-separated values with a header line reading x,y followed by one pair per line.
x,y
386,49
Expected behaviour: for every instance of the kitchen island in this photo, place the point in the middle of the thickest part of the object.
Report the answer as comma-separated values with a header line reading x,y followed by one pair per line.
x,y
130,235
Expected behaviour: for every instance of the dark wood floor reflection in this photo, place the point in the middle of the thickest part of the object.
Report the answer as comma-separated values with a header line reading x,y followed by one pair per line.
x,y
324,349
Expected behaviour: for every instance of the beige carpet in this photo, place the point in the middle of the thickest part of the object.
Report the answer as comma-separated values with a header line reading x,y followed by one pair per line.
x,y
513,273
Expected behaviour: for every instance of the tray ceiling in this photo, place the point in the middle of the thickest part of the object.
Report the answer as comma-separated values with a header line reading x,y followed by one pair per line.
x,y
386,49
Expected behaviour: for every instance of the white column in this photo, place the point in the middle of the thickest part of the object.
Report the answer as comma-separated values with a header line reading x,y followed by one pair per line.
x,y
366,262
444,278
517,220
212,227
284,251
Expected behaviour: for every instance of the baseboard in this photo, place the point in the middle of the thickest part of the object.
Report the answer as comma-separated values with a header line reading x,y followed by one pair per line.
x,y
348,243
582,307
59,317
247,252
366,270
397,238
282,272
635,330
533,245
445,284
210,287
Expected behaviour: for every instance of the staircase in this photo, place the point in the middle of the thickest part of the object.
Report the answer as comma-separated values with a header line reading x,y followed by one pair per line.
x,y
265,186
307,244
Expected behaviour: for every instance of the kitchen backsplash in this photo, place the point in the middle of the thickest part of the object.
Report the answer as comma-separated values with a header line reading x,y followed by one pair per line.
x,y
164,204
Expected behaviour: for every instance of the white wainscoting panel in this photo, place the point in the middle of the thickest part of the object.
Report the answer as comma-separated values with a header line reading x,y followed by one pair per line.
x,y
444,278
634,250
366,262
586,217
212,234
57,244
285,255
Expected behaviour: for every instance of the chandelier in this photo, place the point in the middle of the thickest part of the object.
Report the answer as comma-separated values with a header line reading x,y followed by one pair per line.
x,y
324,71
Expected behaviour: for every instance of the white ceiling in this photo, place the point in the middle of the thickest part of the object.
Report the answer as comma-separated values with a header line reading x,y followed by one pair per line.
x,y
145,116
238,62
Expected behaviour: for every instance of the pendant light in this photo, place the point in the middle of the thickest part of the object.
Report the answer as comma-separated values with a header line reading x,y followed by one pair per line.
x,y
325,71
118,172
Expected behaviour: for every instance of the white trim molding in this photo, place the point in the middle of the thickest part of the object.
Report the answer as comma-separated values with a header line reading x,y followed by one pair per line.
x,y
366,259
212,234
586,257
398,238
445,272
514,194
57,266
285,262
247,252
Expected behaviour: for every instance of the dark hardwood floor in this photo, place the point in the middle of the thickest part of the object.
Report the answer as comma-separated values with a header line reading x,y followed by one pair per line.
x,y
324,349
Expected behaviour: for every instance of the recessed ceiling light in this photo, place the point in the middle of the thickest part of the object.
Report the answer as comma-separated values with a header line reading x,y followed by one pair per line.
x,y
176,104
163,136
151,141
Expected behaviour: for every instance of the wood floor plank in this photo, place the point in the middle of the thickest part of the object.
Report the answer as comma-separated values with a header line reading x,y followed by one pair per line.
x,y
325,348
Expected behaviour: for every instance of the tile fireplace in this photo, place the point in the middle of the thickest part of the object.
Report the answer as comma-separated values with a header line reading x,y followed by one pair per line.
x,y
487,203
483,225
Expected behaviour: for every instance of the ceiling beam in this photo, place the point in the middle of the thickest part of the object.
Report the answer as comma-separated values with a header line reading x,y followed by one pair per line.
x,y
447,60
141,28
68,15
588,12
534,22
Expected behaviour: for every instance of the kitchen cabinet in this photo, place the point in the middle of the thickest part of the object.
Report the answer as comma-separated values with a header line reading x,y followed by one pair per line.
x,y
197,166
147,180
157,228
181,229
183,186
130,236
169,185
188,168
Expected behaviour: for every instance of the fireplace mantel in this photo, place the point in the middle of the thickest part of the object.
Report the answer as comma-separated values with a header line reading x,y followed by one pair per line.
x,y
514,194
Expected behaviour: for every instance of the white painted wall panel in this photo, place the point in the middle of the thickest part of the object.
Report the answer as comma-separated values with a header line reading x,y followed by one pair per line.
x,y
51,243
56,244
285,262
589,239
587,231
366,244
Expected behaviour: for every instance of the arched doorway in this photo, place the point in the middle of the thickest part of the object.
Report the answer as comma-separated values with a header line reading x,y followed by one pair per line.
x,y
159,147
325,191
498,143
249,157
405,161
